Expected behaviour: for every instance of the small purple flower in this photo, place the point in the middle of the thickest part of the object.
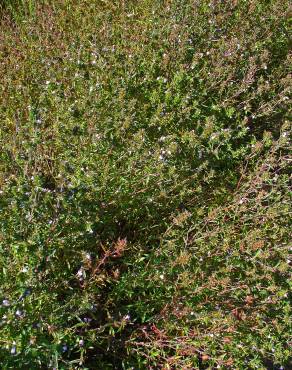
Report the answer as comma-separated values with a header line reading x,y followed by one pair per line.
x,y
64,348
87,319
81,342
27,292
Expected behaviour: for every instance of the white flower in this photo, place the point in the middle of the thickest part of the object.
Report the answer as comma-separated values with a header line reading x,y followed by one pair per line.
x,y
80,273
161,276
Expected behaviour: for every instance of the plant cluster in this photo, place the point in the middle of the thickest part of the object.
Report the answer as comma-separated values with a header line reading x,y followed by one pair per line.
x,y
144,184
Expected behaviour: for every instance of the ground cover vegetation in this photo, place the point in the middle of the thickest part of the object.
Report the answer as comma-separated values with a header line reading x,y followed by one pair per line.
x,y
144,184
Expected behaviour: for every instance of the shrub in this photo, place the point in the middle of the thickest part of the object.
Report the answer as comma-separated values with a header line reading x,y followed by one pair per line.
x,y
144,184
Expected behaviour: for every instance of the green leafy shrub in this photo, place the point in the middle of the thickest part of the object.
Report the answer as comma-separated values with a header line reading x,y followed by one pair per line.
x,y
144,185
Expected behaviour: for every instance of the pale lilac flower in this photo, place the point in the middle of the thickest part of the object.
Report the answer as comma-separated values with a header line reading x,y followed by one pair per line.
x,y
13,350
18,313
5,303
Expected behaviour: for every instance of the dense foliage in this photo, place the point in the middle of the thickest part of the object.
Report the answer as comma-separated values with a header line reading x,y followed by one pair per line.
x,y
144,184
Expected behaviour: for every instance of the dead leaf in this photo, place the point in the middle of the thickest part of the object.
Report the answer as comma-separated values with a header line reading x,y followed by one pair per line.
x,y
249,300
237,314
